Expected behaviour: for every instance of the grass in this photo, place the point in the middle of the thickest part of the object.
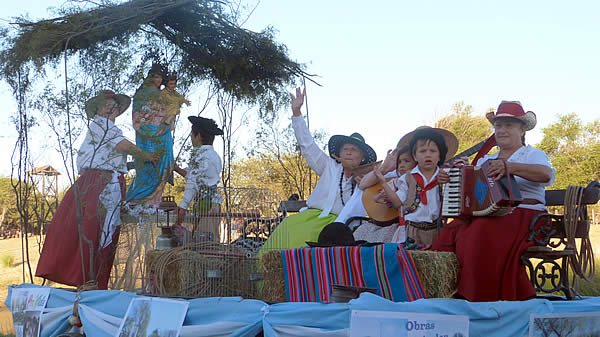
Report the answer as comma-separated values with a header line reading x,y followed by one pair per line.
x,y
8,260
592,288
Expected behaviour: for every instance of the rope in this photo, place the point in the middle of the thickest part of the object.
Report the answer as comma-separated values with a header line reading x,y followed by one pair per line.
x,y
582,262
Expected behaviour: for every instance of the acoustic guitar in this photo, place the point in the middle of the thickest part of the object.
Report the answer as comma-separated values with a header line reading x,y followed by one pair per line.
x,y
381,214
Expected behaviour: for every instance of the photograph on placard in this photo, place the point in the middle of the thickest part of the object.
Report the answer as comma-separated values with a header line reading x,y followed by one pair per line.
x,y
564,324
153,317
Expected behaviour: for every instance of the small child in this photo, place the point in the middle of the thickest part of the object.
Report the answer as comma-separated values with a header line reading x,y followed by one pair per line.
x,y
402,162
417,193
172,99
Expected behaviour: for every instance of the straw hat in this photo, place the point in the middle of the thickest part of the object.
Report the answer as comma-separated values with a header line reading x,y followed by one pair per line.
x,y
513,109
449,138
337,141
95,103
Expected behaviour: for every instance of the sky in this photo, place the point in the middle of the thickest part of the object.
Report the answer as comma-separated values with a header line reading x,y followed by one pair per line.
x,y
387,67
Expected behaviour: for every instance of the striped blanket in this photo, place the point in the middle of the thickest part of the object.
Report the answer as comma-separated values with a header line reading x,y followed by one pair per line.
x,y
388,268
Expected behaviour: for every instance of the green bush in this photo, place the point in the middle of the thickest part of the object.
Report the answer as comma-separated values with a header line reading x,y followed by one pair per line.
x,y
8,261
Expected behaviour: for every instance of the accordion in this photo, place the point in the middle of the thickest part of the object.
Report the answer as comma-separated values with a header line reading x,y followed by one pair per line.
x,y
471,192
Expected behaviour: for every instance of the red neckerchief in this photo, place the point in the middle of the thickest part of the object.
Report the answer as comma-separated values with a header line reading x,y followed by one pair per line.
x,y
422,192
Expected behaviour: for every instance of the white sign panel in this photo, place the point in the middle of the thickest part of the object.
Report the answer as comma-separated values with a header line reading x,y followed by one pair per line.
x,y
365,323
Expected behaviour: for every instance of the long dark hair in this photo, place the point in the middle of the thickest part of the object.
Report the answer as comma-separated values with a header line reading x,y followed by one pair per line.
x,y
400,152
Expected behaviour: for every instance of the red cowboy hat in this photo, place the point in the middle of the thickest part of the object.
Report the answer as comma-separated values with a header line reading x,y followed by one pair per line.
x,y
513,109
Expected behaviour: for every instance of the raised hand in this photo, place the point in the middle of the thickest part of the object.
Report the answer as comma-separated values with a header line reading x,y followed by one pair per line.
x,y
379,173
389,163
297,102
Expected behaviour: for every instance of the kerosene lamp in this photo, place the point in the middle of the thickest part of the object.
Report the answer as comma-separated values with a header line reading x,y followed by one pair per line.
x,y
166,240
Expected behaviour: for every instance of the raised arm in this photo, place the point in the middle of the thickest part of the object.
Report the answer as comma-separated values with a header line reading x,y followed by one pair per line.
x,y
314,156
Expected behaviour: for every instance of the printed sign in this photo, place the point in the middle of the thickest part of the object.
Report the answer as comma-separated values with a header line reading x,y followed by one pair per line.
x,y
366,323
26,305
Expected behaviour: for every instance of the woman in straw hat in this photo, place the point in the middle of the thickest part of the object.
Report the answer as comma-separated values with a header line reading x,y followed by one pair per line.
x,y
149,114
335,187
91,206
489,248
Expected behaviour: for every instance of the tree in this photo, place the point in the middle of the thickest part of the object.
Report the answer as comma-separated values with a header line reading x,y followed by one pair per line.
x,y
468,128
573,149
276,150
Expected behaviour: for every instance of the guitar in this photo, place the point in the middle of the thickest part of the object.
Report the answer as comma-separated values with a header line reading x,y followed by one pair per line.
x,y
382,215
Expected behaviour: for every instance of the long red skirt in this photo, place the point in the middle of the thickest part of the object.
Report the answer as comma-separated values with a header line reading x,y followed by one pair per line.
x,y
66,255
489,251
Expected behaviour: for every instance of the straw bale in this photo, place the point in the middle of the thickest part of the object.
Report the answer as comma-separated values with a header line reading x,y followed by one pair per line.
x,y
438,272
273,289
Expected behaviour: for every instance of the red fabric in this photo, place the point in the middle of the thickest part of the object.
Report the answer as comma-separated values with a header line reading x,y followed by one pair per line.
x,y
489,251
485,148
423,192
61,258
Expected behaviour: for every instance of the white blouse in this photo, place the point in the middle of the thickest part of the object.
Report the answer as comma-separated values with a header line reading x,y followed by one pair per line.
x,y
528,189
326,195
423,213
204,169
98,148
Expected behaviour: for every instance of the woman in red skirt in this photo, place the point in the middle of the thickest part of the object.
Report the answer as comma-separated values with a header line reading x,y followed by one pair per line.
x,y
81,240
489,248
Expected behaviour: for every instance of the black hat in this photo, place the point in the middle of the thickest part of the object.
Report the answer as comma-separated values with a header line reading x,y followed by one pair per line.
x,y
336,142
338,234
206,125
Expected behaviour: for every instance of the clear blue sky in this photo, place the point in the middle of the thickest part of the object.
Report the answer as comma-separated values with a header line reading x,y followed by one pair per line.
x,y
387,67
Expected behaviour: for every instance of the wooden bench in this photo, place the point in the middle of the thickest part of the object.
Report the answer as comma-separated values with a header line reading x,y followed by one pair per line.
x,y
548,262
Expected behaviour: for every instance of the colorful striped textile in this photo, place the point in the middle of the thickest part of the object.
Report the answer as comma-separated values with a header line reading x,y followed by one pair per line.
x,y
310,272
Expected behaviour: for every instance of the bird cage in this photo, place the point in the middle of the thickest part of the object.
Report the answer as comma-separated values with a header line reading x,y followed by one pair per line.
x,y
225,228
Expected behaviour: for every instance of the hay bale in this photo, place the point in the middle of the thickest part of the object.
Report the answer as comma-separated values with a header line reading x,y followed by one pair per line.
x,y
204,270
438,272
273,289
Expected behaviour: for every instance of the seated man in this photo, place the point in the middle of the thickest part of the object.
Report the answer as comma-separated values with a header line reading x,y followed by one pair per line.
x,y
335,186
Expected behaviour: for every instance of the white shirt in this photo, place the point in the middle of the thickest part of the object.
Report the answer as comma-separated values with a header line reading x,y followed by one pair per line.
x,y
204,170
98,148
528,189
355,207
423,213
326,195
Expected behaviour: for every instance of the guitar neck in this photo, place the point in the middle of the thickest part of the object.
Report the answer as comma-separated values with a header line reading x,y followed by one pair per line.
x,y
468,152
